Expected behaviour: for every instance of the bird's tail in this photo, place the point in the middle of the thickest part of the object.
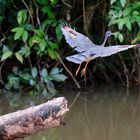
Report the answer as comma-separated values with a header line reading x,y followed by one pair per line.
x,y
77,58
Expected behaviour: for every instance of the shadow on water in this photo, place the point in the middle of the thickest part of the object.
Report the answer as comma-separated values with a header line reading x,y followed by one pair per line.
x,y
105,113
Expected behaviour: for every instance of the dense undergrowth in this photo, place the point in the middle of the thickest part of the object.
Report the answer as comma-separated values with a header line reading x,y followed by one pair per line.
x,y
32,46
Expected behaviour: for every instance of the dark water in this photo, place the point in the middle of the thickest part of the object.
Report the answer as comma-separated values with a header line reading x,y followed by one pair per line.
x,y
104,113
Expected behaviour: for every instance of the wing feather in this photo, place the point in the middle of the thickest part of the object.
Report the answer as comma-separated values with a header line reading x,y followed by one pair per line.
x,y
76,40
110,50
77,58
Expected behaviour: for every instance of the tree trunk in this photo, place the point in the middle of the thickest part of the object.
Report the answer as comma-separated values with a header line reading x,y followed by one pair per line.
x,y
28,121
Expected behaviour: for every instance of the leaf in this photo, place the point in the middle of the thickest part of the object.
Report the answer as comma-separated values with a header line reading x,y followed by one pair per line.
x,y
112,1
120,37
58,33
32,82
34,40
54,70
42,44
52,53
121,22
54,2
5,48
48,21
28,27
46,80
128,25
19,57
45,92
22,16
112,22
18,33
123,2
136,5
26,76
44,73
127,11
34,72
39,32
51,87
59,77
16,29
43,2
53,45
47,10
6,55
25,51
24,36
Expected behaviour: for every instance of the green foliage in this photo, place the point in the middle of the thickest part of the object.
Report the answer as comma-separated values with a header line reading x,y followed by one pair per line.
x,y
6,53
19,57
22,16
33,36
40,80
125,16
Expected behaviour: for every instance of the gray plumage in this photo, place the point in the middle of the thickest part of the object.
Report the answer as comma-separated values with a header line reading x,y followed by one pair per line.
x,y
86,48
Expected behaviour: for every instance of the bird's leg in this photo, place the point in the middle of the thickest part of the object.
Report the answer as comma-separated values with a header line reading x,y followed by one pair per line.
x,y
83,72
78,69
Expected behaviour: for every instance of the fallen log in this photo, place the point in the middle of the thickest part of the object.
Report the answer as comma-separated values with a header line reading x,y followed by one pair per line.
x,y
28,121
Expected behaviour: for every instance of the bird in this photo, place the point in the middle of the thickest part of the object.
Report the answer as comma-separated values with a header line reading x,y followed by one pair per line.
x,y
86,49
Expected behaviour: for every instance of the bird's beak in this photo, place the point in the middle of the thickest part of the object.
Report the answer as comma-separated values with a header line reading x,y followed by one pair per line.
x,y
112,34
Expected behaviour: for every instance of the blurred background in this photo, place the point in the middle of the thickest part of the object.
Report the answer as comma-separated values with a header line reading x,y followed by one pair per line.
x,y
33,49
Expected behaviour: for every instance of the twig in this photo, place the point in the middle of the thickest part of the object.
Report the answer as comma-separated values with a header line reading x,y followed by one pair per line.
x,y
1,81
68,5
14,5
37,15
75,99
84,16
68,71
30,63
28,11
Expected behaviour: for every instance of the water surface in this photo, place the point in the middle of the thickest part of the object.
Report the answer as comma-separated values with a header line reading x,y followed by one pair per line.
x,y
104,113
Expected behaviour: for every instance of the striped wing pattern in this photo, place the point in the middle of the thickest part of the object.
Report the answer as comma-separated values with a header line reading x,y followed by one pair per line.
x,y
78,58
76,40
86,48
100,52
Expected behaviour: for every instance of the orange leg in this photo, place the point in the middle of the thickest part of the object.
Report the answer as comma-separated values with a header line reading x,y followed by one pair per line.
x,y
78,69
83,72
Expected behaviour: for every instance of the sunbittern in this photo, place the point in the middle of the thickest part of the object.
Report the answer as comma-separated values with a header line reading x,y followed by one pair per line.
x,y
86,49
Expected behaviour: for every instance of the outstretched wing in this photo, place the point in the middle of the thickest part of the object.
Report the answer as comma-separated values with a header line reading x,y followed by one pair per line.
x,y
110,50
76,40
99,52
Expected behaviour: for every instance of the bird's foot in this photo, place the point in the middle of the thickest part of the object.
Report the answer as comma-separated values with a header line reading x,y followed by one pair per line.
x,y
83,72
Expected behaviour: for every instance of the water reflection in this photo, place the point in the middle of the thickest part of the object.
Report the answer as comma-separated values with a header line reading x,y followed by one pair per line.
x,y
105,113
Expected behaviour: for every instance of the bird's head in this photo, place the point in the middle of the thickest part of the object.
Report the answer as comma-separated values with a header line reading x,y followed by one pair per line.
x,y
108,33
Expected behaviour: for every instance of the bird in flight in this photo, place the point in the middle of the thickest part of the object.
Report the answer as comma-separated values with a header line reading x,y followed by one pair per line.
x,y
86,49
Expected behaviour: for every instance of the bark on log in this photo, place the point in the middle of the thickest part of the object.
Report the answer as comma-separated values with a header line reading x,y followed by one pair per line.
x,y
28,121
